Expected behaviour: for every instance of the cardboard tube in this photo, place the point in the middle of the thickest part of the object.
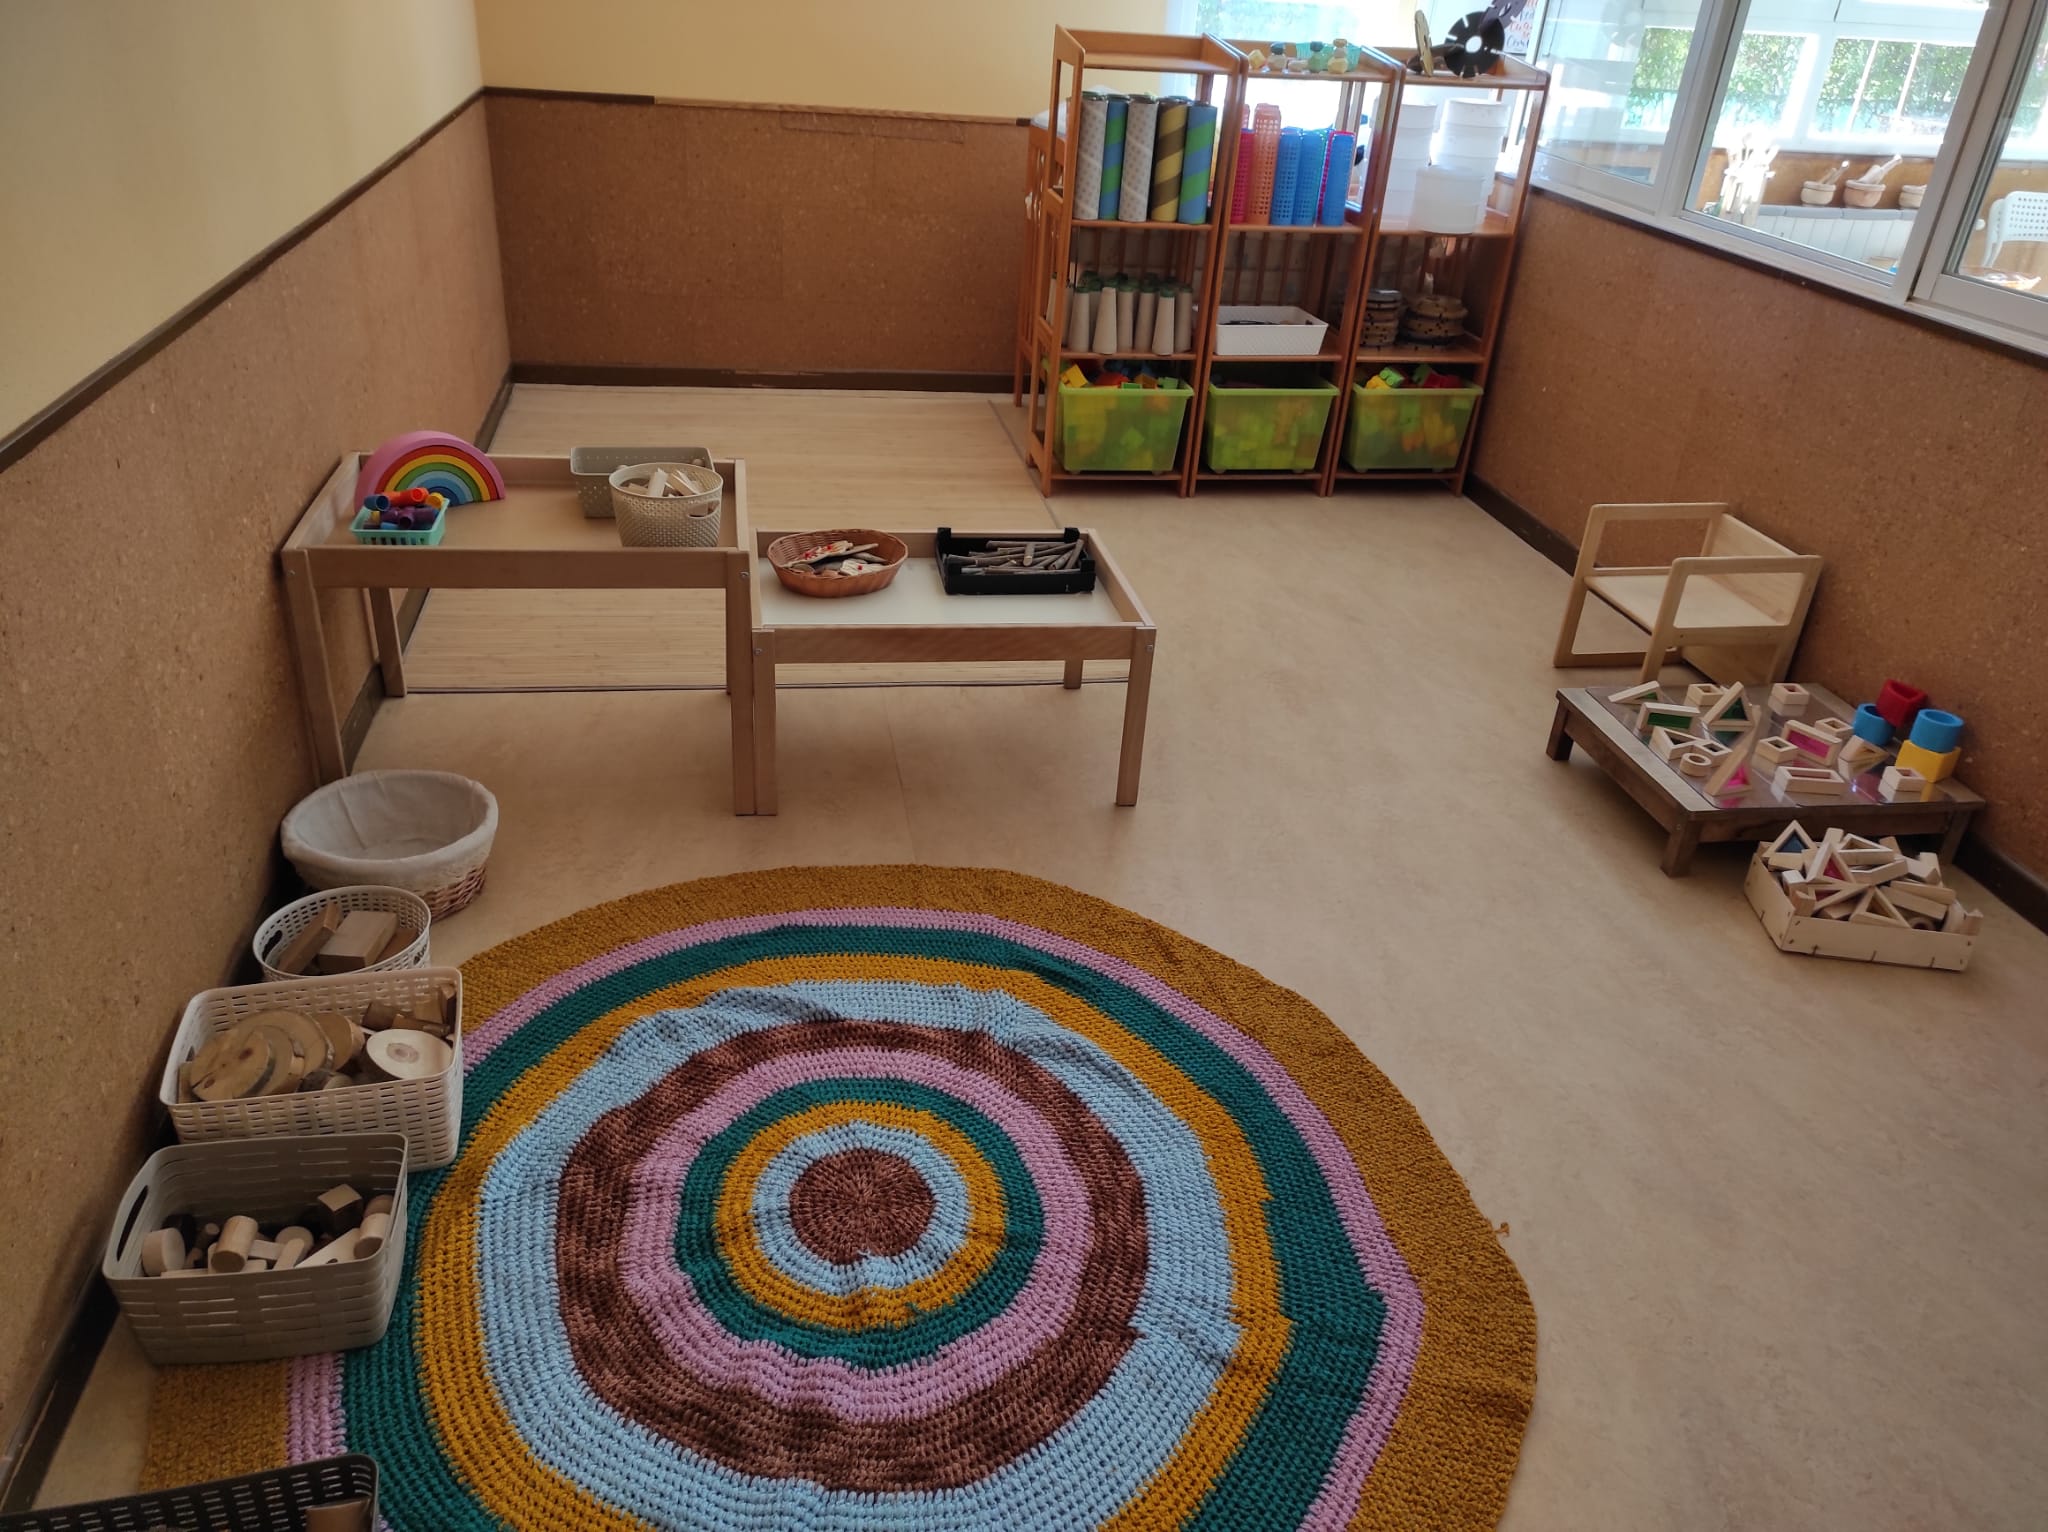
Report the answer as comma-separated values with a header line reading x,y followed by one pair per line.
x,y
1105,322
1184,318
1162,327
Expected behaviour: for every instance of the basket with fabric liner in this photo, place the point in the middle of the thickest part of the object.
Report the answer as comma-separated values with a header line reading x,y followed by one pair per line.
x,y
892,551
428,832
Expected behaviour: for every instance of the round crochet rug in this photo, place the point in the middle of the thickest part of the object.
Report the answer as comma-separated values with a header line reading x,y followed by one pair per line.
x,y
908,1197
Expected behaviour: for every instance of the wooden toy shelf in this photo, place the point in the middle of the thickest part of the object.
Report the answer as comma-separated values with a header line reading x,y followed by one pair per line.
x,y
1059,240
1473,266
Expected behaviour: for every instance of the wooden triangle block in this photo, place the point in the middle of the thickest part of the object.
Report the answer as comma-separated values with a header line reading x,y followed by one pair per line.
x,y
1666,746
1874,909
1635,693
1728,711
1790,848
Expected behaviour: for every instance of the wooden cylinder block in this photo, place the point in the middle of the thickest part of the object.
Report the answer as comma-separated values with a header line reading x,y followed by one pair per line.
x,y
293,1243
376,1228
162,1251
381,1203
407,1055
231,1250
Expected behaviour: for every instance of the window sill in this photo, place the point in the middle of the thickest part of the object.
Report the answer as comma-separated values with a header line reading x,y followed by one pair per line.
x,y
1814,271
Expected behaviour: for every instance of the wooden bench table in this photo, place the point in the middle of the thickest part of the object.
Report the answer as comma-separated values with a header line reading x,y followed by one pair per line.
x,y
913,620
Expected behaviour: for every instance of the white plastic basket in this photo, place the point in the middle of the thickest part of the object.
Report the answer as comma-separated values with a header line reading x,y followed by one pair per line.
x,y
288,922
428,1112
591,468
429,832
693,520
251,1315
1267,329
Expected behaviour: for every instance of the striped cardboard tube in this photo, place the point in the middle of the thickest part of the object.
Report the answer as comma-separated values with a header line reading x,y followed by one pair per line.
x,y
1166,158
1140,127
1241,182
1337,177
1112,159
1308,176
1088,174
1197,163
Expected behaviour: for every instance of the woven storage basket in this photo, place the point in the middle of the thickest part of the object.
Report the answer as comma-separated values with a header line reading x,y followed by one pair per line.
x,y
672,521
428,832
798,578
288,922
273,1501
427,1112
591,468
251,1315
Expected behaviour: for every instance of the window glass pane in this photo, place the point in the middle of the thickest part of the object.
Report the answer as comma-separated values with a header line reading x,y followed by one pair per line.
x,y
2006,242
1615,69
1831,116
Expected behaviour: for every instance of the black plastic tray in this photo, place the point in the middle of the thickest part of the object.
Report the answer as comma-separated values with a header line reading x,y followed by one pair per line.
x,y
964,579
257,1502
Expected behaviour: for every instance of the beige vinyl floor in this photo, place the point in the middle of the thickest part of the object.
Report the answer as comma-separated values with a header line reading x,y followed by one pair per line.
x,y
1785,1220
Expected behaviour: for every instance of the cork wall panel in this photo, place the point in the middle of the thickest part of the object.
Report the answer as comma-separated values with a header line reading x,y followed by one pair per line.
x,y
151,735
1639,368
756,239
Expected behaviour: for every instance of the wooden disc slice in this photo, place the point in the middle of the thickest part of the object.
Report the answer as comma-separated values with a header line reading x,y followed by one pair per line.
x,y
407,1055
243,1068
289,1064
306,1033
344,1038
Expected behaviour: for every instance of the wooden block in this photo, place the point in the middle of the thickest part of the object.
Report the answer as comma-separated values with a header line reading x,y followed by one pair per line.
x,y
437,1005
293,1243
1635,693
163,1250
381,1203
1802,896
1777,751
371,1236
356,941
1703,694
296,956
408,1055
1931,766
338,1516
1729,706
1823,853
1789,698
1874,909
1808,782
1891,844
231,1250
1902,782
1821,749
1837,729
341,1248
401,939
1667,746
1837,900
1926,867
1792,842
1696,763
341,1208
255,1263
1666,715
1859,754
1912,899
380,1014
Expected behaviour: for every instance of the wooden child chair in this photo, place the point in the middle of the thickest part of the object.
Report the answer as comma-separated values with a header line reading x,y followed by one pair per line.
x,y
1737,605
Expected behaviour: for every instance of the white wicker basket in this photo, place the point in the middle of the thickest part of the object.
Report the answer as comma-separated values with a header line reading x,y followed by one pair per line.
x,y
288,922
428,1112
249,1316
429,832
672,521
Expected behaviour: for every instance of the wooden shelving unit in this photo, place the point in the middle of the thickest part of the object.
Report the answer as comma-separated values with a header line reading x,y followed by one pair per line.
x,y
1472,266
1316,267
1060,241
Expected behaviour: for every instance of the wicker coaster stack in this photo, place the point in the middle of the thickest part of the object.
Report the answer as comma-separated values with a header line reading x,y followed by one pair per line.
x,y
1432,319
1382,318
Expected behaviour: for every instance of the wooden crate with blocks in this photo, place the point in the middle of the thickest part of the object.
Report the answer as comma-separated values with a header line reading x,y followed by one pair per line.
x,y
1840,895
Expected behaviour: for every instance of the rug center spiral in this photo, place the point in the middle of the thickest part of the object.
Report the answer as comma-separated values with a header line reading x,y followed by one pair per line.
x,y
860,1202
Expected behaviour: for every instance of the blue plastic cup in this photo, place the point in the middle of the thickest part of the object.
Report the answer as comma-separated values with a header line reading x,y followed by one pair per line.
x,y
1937,731
1872,725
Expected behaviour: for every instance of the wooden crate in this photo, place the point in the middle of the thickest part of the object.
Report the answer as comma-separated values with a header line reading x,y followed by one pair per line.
x,y
1818,936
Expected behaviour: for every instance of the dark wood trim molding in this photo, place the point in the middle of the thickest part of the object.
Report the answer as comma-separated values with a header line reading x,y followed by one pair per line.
x,y
609,376
1553,545
39,427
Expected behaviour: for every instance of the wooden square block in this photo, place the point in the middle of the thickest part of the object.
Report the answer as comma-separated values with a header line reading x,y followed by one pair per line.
x,y
1933,767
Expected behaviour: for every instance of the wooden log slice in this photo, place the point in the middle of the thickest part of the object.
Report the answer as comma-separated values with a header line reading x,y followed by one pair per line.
x,y
307,1035
408,1055
243,1068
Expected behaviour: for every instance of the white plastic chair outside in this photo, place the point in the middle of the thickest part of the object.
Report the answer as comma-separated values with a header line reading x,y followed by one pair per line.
x,y
2016,218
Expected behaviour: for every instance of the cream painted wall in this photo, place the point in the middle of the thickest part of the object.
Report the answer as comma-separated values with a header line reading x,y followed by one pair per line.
x,y
983,60
150,148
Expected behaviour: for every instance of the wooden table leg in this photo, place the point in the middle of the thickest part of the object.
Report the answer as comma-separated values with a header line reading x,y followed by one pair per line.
x,y
390,647
1072,680
765,793
1952,838
309,645
739,680
1560,746
1678,849
1137,698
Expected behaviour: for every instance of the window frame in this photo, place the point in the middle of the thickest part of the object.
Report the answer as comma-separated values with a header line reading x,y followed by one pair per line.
x,y
1922,282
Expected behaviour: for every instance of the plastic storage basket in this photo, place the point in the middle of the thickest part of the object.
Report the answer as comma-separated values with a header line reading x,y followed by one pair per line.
x,y
1248,426
591,468
400,537
669,521
428,832
253,1315
428,1112
1122,430
288,922
1407,427
273,1501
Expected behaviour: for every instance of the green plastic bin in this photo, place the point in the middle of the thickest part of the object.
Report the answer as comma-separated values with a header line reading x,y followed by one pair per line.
x,y
1407,427
1255,427
1122,430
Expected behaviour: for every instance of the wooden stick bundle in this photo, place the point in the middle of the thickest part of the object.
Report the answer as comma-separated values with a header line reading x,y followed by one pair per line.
x,y
1027,554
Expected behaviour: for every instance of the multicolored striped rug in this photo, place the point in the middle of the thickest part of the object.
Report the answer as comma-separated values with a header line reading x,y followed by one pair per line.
x,y
907,1197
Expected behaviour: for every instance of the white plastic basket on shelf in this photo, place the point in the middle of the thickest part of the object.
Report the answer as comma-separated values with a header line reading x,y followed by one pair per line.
x,y
428,1112
288,922
251,1315
1267,329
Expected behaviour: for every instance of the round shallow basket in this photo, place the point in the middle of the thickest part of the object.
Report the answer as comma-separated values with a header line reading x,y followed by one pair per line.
x,y
668,521
429,832
288,922
891,550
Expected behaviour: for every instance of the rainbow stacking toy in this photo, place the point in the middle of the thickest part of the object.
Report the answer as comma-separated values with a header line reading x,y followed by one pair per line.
x,y
433,461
